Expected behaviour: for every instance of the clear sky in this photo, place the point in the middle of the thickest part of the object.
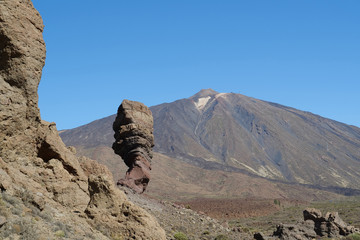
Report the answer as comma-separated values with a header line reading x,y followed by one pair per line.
x,y
304,54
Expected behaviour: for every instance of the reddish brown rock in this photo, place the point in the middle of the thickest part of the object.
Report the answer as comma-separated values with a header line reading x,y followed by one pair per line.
x,y
134,140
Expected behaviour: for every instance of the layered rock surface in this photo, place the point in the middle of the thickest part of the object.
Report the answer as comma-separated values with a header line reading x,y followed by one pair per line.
x,y
134,140
46,191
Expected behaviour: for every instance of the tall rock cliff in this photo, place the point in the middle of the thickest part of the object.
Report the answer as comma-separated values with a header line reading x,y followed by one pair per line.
x,y
22,57
46,191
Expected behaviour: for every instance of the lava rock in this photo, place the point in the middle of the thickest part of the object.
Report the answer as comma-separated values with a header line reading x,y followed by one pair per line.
x,y
314,224
134,140
301,231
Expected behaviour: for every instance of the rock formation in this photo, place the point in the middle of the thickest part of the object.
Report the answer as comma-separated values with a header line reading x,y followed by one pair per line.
x,y
45,190
22,57
134,140
314,224
330,225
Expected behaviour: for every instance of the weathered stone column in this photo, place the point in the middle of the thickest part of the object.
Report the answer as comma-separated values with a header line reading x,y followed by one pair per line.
x,y
134,140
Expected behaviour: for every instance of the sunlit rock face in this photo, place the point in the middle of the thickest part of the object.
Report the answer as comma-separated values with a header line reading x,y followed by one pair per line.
x,y
42,182
22,57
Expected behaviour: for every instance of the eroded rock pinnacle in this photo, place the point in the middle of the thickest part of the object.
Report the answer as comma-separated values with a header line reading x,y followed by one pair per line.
x,y
134,140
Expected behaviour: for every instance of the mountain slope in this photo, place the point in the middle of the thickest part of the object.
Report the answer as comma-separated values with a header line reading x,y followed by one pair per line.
x,y
232,132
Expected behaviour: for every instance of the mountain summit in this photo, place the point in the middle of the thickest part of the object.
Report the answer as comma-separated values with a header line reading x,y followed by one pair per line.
x,y
205,93
232,132
270,140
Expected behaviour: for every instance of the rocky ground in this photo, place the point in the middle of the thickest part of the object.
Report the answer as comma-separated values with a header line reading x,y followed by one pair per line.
x,y
229,209
348,209
175,219
248,217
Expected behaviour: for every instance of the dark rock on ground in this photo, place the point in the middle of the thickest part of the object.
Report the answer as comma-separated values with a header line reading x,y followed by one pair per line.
x,y
301,231
134,140
259,236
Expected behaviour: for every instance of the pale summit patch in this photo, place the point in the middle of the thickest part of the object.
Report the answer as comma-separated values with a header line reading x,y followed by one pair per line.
x,y
221,95
201,102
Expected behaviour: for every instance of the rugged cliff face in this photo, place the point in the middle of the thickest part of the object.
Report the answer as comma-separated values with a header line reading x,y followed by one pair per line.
x,y
22,57
46,191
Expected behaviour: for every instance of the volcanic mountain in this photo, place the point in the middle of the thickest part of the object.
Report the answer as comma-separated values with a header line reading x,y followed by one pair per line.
x,y
231,132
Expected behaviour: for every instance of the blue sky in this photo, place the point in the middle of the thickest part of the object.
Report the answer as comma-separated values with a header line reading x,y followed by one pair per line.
x,y
304,54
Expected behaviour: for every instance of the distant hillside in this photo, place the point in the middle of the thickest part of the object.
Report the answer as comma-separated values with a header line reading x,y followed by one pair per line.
x,y
232,132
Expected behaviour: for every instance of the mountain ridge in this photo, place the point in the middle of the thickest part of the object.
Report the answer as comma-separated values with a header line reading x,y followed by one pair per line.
x,y
233,132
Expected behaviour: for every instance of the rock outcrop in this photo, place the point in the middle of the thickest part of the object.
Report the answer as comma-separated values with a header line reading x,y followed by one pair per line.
x,y
45,190
314,225
330,225
22,57
134,140
300,231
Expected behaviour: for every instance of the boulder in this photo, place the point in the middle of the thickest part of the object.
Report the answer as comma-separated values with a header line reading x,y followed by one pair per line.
x,y
337,226
261,236
301,231
312,214
108,207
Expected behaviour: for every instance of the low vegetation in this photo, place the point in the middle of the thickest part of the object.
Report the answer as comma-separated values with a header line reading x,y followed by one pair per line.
x,y
221,237
354,236
180,236
348,209
25,220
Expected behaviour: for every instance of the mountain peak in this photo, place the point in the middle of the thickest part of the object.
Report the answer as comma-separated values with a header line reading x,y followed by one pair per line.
x,y
233,132
201,98
205,93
